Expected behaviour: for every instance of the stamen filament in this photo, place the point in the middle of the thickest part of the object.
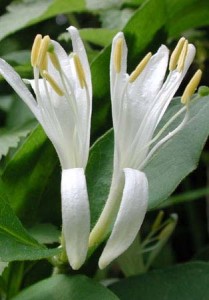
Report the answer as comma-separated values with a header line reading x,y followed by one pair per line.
x,y
53,83
165,139
35,49
43,51
182,57
140,67
191,87
79,70
118,51
175,54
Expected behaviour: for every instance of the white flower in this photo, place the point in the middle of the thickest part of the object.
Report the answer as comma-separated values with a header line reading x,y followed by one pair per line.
x,y
139,102
63,104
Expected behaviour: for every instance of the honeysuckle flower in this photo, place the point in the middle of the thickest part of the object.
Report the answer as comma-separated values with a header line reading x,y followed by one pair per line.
x,y
139,101
63,104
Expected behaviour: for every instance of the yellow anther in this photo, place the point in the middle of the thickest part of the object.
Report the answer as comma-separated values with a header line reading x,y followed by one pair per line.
x,y
44,64
118,52
191,87
43,51
35,49
54,59
140,67
182,57
175,54
53,83
79,70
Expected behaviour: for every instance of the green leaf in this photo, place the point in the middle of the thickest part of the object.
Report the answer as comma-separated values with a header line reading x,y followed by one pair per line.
x,y
114,18
11,138
99,173
15,241
21,14
21,57
173,161
62,287
63,6
186,197
180,155
45,233
98,36
3,265
27,178
181,282
187,14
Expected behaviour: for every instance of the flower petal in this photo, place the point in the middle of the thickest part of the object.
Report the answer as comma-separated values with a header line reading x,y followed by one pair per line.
x,y
157,110
78,48
139,98
130,216
75,215
17,84
118,79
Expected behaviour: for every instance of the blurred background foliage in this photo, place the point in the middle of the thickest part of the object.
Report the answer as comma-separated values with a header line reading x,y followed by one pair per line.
x,y
29,166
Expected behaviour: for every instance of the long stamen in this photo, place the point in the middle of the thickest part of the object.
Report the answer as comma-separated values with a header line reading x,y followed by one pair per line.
x,y
118,51
43,52
140,67
53,83
35,49
79,70
191,87
165,139
182,57
175,54
53,57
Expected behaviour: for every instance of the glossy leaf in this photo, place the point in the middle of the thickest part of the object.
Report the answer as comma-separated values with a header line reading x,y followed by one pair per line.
x,y
25,13
26,179
19,14
45,233
62,287
15,241
186,281
98,36
184,15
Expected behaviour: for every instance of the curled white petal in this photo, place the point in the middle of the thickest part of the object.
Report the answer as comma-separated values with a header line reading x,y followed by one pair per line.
x,y
129,218
75,215
17,84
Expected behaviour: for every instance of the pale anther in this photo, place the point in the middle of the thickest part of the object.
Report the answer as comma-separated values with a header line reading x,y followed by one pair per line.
x,y
140,67
79,70
43,52
175,54
118,51
182,57
53,83
191,87
54,59
35,49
